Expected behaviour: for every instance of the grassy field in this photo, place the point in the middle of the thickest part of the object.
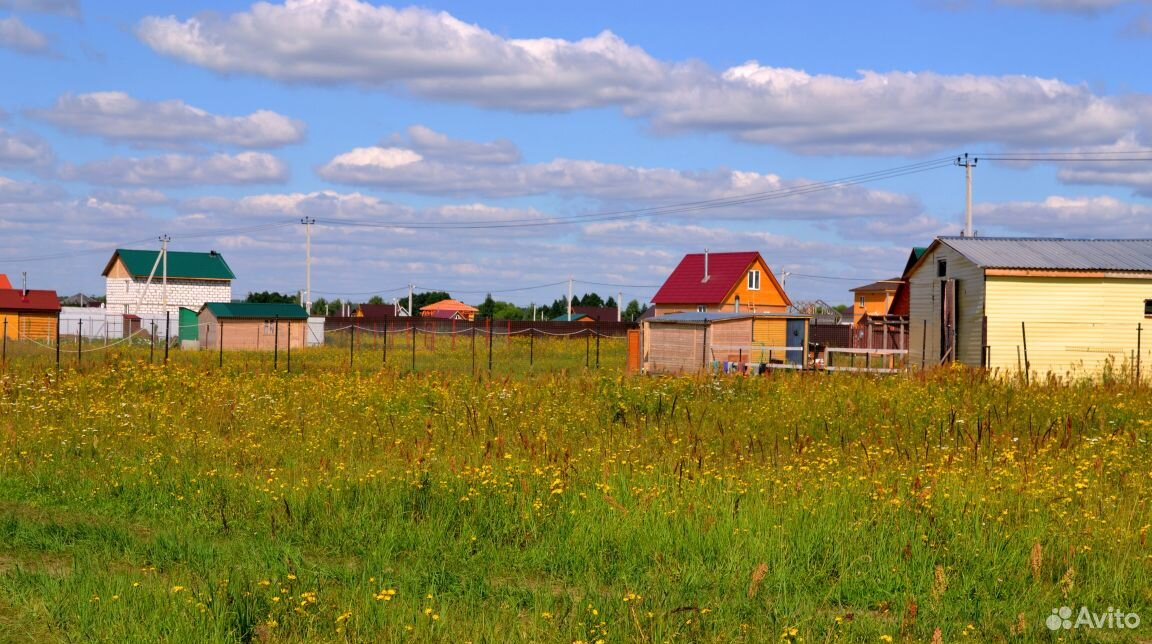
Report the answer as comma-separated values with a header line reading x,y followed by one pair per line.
x,y
193,503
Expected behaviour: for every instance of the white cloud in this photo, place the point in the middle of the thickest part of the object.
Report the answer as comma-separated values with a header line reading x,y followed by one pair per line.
x,y
439,147
433,54
402,169
181,170
1069,216
896,112
436,56
1071,6
133,196
13,191
68,8
17,36
116,116
26,151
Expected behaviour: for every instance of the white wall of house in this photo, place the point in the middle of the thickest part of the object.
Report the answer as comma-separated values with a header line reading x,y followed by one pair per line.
x,y
124,295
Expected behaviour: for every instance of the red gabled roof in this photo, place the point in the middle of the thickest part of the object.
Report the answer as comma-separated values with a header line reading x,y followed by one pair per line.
x,y
686,286
4,283
13,299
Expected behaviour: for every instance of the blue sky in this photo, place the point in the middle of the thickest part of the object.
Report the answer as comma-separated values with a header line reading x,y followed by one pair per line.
x,y
476,147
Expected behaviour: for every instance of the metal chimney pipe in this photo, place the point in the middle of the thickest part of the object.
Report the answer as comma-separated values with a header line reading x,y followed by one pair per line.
x,y
24,286
705,266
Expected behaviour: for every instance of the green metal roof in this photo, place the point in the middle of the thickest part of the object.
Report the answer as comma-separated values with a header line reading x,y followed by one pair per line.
x,y
255,311
576,317
181,265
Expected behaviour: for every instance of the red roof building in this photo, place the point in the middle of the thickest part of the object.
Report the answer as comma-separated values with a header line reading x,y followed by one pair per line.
x,y
29,315
4,283
721,283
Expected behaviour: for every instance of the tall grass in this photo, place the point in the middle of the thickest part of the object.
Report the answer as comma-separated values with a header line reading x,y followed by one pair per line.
x,y
187,502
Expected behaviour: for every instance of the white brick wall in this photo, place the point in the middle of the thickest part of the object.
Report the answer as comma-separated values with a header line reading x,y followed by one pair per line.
x,y
123,295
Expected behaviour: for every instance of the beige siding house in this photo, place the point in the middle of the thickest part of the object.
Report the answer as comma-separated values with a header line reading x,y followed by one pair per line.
x,y
1059,306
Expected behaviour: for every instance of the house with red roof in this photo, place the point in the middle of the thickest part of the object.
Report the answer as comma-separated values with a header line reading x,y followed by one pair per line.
x,y
721,283
4,283
29,314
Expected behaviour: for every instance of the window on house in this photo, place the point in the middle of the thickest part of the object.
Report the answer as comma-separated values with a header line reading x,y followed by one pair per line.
x,y
701,309
861,301
1148,308
269,327
941,268
737,303
753,280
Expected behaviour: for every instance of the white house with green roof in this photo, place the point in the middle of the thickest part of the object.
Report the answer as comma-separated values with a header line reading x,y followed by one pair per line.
x,y
135,282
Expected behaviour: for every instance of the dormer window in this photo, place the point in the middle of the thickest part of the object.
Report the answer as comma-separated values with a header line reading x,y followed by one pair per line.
x,y
754,280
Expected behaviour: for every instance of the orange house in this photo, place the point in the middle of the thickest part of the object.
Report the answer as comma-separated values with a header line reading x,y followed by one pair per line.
x,y
449,309
721,283
873,299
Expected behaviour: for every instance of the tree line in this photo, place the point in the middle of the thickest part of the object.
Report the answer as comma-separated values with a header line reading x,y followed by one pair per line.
x,y
490,308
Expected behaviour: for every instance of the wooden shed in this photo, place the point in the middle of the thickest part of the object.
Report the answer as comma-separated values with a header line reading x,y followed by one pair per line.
x,y
246,326
1060,306
29,314
693,342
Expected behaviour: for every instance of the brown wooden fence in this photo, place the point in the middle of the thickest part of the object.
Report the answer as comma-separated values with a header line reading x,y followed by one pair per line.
x,y
538,328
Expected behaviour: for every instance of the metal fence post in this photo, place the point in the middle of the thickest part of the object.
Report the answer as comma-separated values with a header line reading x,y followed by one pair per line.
x,y
1027,364
275,342
5,341
531,346
289,346
413,347
1139,330
57,342
587,350
597,349
473,348
221,343
489,345
384,358
167,334
79,339
351,345
152,344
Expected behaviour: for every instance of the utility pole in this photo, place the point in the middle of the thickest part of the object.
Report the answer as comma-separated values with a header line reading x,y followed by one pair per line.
x,y
619,305
308,221
967,164
164,239
569,298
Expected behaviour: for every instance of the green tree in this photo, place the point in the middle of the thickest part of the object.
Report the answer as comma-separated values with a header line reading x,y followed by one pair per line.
x,y
271,297
319,307
375,300
487,308
590,299
509,311
633,311
611,302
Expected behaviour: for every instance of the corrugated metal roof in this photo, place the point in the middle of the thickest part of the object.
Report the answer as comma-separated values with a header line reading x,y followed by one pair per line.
x,y
255,311
881,286
1055,254
181,265
41,301
686,284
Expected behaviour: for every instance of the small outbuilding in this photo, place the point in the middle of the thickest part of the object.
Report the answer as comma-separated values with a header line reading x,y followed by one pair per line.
x,y
693,342
1061,306
247,326
29,314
